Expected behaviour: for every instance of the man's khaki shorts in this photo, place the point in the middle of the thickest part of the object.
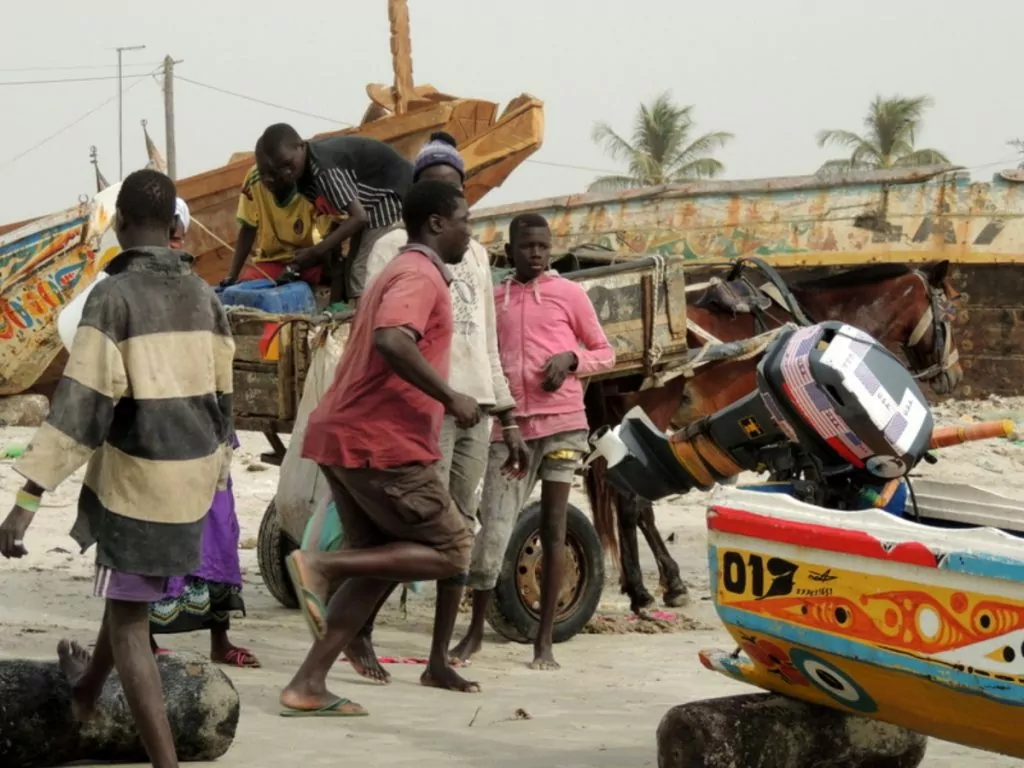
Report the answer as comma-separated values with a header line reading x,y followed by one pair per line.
x,y
410,503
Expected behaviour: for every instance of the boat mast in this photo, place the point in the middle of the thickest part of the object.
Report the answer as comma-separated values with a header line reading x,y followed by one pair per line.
x,y
401,53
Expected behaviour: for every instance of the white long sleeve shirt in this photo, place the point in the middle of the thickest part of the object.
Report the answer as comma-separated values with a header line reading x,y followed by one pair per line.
x,y
475,363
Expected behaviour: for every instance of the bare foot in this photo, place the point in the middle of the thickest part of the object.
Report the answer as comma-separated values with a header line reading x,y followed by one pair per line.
x,y
363,658
448,679
74,662
465,650
544,661
305,701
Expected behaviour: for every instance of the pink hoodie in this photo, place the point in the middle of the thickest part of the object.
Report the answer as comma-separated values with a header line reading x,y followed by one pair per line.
x,y
536,320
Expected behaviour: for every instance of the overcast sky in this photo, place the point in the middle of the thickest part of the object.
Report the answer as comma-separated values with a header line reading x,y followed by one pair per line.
x,y
773,72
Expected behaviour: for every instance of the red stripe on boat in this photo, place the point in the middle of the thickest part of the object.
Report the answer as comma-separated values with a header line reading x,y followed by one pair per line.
x,y
813,535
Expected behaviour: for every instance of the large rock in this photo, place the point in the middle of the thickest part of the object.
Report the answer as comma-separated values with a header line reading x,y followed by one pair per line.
x,y
771,731
38,731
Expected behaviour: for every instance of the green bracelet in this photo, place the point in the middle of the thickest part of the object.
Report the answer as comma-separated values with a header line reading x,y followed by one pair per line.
x,y
26,501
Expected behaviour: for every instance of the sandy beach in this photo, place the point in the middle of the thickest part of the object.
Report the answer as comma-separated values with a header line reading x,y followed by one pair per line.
x,y
600,711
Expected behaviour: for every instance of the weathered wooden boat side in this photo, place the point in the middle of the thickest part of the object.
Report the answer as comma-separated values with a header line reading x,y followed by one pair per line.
x,y
809,224
874,615
44,265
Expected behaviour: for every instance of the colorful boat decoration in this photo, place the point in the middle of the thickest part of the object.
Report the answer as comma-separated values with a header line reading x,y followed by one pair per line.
x,y
916,623
808,224
43,265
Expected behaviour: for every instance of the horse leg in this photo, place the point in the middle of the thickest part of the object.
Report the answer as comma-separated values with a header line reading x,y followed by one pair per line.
x,y
632,579
675,593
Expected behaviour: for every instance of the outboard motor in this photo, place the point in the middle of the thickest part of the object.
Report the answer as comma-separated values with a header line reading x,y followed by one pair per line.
x,y
831,401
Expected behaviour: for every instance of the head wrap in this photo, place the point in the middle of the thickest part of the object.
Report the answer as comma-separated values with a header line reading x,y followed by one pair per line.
x,y
182,213
440,150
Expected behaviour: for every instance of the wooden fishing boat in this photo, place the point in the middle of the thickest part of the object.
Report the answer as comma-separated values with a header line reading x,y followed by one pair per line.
x,y
918,622
493,147
43,265
809,224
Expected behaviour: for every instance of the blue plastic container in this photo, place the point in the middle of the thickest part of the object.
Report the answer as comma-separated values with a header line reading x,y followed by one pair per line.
x,y
291,298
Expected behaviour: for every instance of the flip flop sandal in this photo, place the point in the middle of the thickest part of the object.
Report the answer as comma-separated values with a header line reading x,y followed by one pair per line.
x,y
242,658
331,710
313,610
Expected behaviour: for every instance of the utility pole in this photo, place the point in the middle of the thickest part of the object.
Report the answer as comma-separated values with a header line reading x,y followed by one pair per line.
x,y
172,155
120,108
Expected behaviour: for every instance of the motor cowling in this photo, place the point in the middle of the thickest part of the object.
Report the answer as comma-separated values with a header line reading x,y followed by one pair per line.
x,y
837,391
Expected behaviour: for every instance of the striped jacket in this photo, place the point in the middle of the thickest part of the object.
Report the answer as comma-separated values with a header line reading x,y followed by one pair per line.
x,y
145,399
341,169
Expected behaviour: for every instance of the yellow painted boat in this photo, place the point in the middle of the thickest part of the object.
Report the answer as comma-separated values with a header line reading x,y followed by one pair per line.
x,y
44,265
804,225
917,623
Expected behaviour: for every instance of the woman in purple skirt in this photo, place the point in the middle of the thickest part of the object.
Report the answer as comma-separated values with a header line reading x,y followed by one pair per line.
x,y
206,599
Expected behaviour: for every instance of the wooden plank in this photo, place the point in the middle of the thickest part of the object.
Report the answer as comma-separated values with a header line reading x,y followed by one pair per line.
x,y
247,349
256,391
286,398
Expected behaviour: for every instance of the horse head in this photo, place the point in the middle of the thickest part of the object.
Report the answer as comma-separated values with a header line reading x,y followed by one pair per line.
x,y
930,349
904,309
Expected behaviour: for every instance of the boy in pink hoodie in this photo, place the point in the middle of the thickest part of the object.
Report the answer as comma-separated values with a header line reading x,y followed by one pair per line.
x,y
549,338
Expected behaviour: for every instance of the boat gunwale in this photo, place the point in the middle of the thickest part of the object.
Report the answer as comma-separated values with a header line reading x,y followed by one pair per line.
x,y
984,542
729,187
52,221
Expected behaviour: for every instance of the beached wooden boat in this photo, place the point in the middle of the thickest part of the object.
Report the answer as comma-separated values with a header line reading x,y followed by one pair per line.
x,y
492,145
809,224
917,623
43,265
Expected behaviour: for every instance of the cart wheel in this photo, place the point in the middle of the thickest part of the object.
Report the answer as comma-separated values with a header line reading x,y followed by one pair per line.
x,y
273,545
515,609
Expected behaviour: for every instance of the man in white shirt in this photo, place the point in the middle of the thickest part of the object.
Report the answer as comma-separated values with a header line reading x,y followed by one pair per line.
x,y
475,369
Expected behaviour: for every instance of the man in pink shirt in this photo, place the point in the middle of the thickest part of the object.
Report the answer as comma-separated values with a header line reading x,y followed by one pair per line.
x,y
549,338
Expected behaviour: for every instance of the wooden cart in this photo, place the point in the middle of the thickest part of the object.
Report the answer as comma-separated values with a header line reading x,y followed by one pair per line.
x,y
641,305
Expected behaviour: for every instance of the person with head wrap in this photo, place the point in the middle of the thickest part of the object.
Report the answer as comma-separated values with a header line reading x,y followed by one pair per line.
x,y
182,218
475,366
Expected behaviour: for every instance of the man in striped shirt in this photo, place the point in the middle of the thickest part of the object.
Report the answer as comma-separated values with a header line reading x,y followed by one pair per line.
x,y
363,178
145,400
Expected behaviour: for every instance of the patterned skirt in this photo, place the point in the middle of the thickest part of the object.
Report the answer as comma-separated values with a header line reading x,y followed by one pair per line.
x,y
206,598
203,605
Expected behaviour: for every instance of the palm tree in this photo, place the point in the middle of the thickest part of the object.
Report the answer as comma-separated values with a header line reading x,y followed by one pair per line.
x,y
1018,144
660,151
891,127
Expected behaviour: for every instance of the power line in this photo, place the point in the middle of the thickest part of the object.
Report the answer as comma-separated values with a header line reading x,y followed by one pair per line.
x,y
263,102
70,67
66,128
574,167
70,80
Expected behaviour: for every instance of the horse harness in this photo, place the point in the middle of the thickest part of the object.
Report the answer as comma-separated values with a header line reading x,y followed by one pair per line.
x,y
737,295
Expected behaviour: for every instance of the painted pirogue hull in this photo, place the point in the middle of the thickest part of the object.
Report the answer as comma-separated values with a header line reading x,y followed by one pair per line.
x,y
43,266
873,615
810,224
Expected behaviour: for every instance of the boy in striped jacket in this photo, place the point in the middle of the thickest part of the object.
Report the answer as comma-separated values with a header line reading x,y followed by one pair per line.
x,y
145,400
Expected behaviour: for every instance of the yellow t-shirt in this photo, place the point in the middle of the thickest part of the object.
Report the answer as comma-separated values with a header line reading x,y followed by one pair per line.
x,y
281,227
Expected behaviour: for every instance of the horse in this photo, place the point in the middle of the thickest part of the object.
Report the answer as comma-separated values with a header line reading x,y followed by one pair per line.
x,y
907,310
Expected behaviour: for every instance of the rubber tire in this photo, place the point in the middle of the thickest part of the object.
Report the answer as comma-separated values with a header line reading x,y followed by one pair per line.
x,y
507,613
273,545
